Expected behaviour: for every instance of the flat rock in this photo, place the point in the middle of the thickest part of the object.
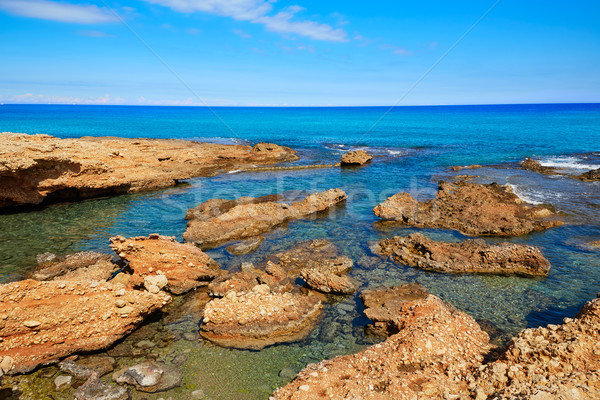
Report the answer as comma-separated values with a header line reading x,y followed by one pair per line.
x,y
245,280
433,345
71,317
208,226
37,168
83,367
183,265
259,318
470,208
469,256
457,168
87,266
358,157
150,376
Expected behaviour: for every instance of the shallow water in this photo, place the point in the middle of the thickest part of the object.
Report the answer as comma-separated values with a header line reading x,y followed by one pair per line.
x,y
414,147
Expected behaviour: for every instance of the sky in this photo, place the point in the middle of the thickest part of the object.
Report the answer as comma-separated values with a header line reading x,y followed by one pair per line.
x,y
299,52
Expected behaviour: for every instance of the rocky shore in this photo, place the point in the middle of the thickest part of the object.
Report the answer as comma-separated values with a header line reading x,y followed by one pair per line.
x,y
40,168
470,208
469,256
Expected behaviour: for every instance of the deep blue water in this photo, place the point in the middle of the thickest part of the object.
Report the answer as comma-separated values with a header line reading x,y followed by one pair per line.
x,y
415,146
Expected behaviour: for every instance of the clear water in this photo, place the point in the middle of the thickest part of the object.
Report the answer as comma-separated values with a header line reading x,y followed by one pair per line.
x,y
415,147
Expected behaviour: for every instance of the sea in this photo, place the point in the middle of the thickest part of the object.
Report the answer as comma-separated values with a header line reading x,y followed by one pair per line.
x,y
414,148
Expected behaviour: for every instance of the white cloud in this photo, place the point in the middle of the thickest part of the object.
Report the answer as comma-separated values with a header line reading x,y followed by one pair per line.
x,y
58,11
30,98
257,11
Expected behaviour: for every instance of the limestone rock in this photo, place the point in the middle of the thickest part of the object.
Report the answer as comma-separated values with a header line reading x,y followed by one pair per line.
x,y
359,157
86,265
469,256
533,165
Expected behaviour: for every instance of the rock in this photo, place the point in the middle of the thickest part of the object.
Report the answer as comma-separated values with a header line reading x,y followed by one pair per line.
x,y
257,319
182,267
39,168
590,176
83,368
327,282
95,389
434,345
150,377
470,208
469,256
245,247
532,165
359,157
457,168
595,244
73,317
87,266
251,217
6,364
62,382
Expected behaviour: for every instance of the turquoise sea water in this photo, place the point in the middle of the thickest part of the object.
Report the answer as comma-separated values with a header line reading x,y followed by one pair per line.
x,y
414,148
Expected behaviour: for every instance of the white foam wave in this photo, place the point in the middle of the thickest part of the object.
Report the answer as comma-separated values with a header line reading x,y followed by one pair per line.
x,y
527,197
568,163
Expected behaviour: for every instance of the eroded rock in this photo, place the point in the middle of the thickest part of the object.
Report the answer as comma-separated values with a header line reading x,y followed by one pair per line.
x,y
248,217
70,317
184,266
533,165
590,176
470,208
36,168
358,157
469,256
86,265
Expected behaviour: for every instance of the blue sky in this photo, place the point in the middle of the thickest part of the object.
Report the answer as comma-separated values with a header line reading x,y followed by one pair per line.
x,y
298,53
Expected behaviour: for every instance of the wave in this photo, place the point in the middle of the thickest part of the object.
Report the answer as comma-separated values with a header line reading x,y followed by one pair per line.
x,y
568,162
373,150
218,140
527,197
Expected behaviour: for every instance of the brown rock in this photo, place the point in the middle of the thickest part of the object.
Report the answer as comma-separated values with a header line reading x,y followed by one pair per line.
x,y
532,165
87,266
327,281
259,318
37,168
251,218
469,256
434,345
590,176
457,168
470,208
73,317
245,247
358,157
184,265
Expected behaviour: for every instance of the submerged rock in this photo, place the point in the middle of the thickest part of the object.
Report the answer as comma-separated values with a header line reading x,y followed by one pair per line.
x,y
150,376
218,221
245,247
83,368
259,318
469,256
435,345
42,322
95,389
457,168
86,265
470,208
359,157
36,168
155,258
590,176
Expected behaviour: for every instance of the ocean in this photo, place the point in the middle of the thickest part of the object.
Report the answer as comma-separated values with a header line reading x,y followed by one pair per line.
x,y
414,148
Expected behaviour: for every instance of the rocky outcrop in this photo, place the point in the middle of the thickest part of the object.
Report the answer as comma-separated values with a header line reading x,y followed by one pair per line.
x,y
457,168
353,158
435,346
42,322
218,221
533,165
184,266
248,277
38,168
259,318
470,208
590,176
469,256
82,266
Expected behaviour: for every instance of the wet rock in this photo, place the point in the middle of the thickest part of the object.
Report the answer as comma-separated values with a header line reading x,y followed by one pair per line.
x,y
244,281
73,317
86,265
590,176
82,368
434,345
457,168
161,261
150,377
259,318
595,244
250,218
469,256
470,208
533,165
359,157
95,389
62,382
327,281
245,247
36,168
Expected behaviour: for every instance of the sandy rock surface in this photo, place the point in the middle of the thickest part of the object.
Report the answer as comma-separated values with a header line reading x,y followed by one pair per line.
x,y
36,168
358,157
184,266
218,221
84,266
470,208
469,256
42,322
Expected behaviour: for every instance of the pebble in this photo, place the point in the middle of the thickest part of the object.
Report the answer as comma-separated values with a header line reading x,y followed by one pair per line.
x,y
63,382
32,323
